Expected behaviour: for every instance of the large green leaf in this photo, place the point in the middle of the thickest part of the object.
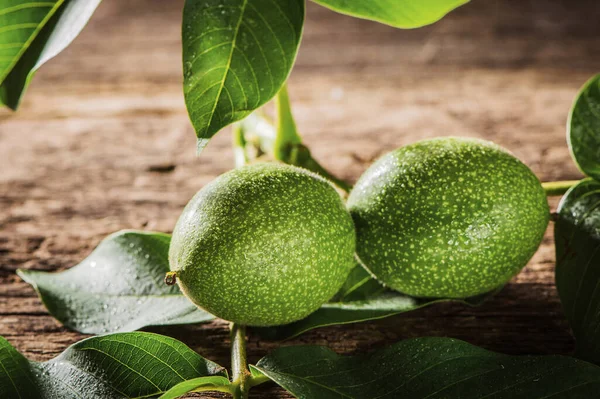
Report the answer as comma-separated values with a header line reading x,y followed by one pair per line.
x,y
577,236
31,33
236,56
399,13
361,299
432,368
584,128
118,366
118,287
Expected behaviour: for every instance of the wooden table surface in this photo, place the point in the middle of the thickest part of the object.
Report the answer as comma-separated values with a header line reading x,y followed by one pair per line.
x,y
77,161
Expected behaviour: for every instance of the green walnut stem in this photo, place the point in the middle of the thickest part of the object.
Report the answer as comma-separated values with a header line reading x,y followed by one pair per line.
x,y
557,188
287,133
239,365
281,142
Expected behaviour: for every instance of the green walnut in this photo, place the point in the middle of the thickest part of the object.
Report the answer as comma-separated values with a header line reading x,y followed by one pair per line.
x,y
263,245
448,217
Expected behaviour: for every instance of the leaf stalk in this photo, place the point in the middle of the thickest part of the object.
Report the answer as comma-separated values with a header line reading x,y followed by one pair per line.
x,y
239,363
287,133
257,136
558,188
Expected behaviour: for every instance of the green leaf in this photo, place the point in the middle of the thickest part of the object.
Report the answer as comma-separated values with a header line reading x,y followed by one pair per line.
x,y
16,375
432,368
33,33
236,56
404,14
199,384
577,237
584,128
360,299
117,366
119,287
21,23
359,285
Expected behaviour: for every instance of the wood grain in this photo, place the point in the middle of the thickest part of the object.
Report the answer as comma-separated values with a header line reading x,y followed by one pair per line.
x,y
102,142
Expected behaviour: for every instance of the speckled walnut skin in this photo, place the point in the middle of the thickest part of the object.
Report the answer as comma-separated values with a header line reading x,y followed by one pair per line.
x,y
448,217
263,245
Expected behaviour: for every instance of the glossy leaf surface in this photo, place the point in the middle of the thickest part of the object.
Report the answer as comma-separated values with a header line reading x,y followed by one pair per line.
x,y
577,237
583,128
432,368
117,366
35,32
119,287
398,13
361,299
20,24
236,56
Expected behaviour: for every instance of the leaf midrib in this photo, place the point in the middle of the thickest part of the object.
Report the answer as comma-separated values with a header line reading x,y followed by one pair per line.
x,y
228,66
26,45
11,379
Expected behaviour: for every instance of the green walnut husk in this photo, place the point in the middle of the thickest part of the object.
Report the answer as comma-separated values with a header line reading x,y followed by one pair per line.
x,y
448,217
263,245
